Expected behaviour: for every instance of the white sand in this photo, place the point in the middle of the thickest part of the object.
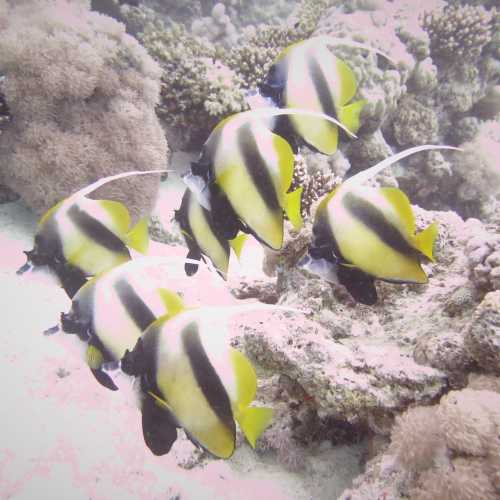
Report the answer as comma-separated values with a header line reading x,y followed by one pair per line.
x,y
63,436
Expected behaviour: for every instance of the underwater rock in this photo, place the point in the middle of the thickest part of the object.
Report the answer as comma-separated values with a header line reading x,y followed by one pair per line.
x,y
346,382
482,338
102,87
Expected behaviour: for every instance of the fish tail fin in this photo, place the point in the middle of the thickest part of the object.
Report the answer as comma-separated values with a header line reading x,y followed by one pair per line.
x,y
238,242
138,237
172,301
293,207
350,115
253,421
425,240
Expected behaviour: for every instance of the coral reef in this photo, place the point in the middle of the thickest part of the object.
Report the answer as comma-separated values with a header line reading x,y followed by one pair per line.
x,y
458,32
82,105
448,451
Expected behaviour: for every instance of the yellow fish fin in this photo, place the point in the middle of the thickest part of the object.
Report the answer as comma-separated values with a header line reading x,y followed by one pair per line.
x,y
402,206
119,215
286,160
245,377
49,213
237,243
138,237
347,84
172,301
349,115
425,240
293,207
94,357
253,421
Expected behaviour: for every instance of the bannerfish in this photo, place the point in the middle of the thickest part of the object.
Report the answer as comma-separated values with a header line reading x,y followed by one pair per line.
x,y
362,233
81,237
202,237
187,367
111,310
246,171
307,75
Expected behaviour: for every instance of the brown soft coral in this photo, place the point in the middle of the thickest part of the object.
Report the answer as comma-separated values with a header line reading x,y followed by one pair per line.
x,y
81,94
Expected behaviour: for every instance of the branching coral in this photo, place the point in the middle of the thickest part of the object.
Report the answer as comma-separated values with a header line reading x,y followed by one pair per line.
x,y
415,123
197,88
315,184
458,32
81,93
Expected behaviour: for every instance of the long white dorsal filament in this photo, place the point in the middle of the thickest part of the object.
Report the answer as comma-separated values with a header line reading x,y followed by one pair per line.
x,y
367,174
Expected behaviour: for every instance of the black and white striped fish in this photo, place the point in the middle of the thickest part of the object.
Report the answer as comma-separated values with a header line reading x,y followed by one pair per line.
x,y
363,233
81,237
188,368
203,238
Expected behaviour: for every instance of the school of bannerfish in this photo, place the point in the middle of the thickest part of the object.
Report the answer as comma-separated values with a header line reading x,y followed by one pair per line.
x,y
187,375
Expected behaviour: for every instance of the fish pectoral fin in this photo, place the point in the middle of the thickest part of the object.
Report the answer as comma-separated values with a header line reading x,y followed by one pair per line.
x,y
253,421
138,237
293,208
158,428
238,243
104,379
425,240
350,115
94,357
172,301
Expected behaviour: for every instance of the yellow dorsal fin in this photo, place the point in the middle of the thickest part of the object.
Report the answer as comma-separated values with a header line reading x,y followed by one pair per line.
x,y
253,422
237,243
172,301
293,207
119,215
347,84
50,212
94,357
285,159
349,115
138,237
402,206
425,240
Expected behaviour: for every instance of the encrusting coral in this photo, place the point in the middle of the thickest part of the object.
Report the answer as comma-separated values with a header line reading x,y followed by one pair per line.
x,y
81,94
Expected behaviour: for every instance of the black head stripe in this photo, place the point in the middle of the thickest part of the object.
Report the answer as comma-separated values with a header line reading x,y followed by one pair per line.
x,y
374,220
257,167
206,376
324,244
135,306
95,230
322,87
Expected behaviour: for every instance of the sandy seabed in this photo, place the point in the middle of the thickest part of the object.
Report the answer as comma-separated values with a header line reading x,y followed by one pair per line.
x,y
63,436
